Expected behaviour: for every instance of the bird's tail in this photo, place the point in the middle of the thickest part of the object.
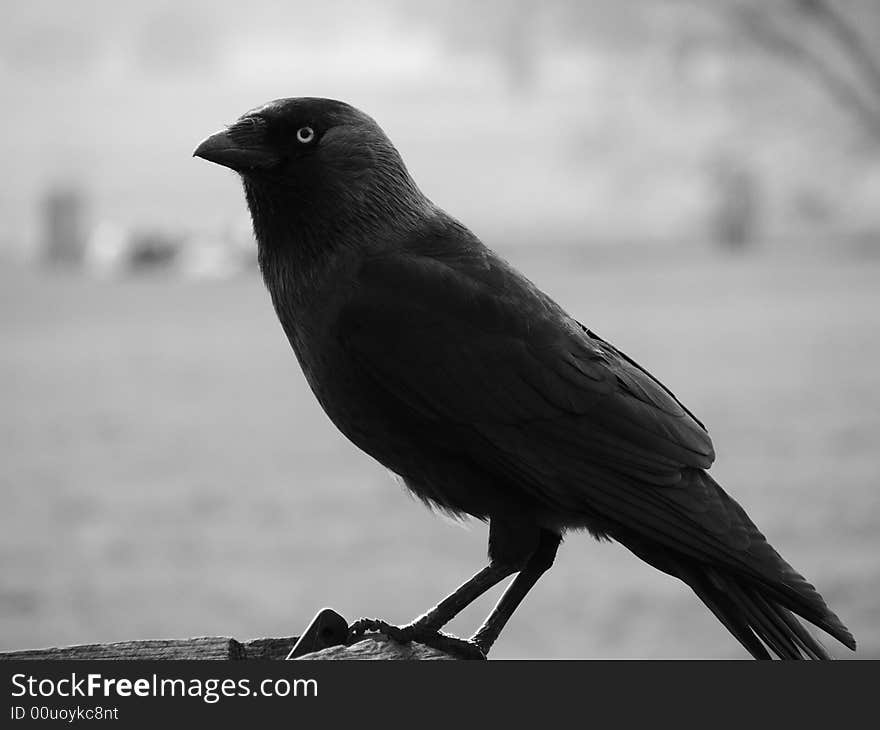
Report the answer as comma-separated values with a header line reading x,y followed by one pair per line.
x,y
759,622
756,602
756,607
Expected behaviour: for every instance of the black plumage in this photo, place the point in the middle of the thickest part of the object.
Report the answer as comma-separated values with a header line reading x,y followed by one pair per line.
x,y
445,364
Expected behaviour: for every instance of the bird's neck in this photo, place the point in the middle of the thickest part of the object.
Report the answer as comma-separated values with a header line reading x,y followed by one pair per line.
x,y
307,245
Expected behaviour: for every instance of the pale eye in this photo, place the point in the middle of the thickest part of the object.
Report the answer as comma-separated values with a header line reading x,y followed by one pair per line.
x,y
305,135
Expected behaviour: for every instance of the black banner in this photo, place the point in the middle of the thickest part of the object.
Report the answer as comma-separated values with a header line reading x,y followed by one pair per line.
x,y
142,693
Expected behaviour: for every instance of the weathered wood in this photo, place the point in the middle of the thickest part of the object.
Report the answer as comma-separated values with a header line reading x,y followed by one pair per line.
x,y
204,647
379,647
276,649
223,648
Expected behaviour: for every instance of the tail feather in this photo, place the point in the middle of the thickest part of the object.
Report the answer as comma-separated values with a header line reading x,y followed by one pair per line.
x,y
758,623
727,614
806,602
804,639
769,575
757,606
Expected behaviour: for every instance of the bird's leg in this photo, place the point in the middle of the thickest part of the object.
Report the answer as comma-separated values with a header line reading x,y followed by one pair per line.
x,y
462,597
511,546
537,565
426,628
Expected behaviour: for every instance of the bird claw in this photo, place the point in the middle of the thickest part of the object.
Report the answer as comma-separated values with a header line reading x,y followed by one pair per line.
x,y
371,625
459,648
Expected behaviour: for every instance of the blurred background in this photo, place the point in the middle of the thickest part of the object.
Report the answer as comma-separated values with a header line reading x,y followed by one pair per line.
x,y
698,181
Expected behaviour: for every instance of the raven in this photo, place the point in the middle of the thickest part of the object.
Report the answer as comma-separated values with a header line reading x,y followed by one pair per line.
x,y
441,361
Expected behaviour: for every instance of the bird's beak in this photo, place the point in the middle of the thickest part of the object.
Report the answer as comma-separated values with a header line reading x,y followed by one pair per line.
x,y
238,149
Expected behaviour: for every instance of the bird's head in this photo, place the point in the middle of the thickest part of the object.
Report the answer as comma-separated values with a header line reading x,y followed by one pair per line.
x,y
314,163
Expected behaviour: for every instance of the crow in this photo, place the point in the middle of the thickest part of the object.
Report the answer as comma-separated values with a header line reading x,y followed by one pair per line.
x,y
441,361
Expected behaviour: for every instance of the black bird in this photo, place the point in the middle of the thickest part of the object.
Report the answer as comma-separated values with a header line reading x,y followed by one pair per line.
x,y
453,370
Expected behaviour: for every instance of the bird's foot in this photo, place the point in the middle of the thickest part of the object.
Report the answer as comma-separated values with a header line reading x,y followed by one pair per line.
x,y
459,648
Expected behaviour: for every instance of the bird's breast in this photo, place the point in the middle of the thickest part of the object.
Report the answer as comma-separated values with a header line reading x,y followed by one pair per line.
x,y
348,396
417,450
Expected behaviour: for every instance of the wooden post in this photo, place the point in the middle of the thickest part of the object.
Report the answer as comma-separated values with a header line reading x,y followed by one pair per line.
x,y
223,648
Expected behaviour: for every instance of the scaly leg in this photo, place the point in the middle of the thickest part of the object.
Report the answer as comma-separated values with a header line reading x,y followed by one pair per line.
x,y
538,564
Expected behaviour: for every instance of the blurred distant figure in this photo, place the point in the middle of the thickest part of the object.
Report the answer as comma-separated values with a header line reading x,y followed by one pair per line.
x,y
63,223
734,216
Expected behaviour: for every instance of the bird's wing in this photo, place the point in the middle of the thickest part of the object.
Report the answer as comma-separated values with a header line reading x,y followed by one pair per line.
x,y
475,354
477,344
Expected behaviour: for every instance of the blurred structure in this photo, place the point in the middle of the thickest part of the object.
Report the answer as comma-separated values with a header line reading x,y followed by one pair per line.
x,y
64,225
595,120
107,249
153,249
735,218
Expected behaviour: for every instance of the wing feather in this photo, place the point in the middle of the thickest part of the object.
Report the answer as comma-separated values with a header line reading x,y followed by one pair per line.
x,y
494,350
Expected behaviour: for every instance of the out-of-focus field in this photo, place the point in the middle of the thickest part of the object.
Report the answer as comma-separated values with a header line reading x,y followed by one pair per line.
x,y
165,472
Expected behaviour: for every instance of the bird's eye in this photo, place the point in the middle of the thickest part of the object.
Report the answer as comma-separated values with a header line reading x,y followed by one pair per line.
x,y
305,135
